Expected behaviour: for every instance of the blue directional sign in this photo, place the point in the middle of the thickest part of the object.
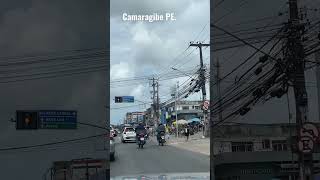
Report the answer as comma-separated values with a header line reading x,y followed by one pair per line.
x,y
55,119
128,99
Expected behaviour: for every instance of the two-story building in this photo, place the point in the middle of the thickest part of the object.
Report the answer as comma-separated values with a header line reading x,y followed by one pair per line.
x,y
185,110
134,117
252,152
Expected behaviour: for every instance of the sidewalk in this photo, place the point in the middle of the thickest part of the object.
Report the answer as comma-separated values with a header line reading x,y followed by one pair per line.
x,y
195,143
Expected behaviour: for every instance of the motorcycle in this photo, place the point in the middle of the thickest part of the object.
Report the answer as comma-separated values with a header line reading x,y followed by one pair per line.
x,y
161,138
141,140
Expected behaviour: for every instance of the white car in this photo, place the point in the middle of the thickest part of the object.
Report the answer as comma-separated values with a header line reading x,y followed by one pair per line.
x,y
128,134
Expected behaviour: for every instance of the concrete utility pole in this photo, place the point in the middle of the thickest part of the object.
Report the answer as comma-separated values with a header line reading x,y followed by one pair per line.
x,y
158,104
317,59
175,107
218,89
296,56
203,84
153,100
214,66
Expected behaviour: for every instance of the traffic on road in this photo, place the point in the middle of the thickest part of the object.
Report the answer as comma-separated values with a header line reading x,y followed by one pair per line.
x,y
143,151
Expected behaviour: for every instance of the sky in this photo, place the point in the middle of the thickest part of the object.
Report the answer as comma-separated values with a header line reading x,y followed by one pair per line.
x,y
143,49
32,27
252,14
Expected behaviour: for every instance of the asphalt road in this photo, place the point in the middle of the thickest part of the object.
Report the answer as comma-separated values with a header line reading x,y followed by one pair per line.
x,y
155,159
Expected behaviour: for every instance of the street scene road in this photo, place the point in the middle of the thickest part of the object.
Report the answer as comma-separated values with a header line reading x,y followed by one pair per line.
x,y
155,93
155,159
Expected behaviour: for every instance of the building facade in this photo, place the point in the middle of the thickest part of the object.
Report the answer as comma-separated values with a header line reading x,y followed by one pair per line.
x,y
134,117
250,152
185,110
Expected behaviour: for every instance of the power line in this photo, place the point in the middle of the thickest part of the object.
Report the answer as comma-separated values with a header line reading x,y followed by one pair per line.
x,y
242,3
46,54
222,29
64,58
53,72
219,3
51,143
252,55
125,107
53,66
55,76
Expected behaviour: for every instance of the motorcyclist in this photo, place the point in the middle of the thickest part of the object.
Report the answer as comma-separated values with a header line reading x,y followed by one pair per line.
x,y
161,128
140,129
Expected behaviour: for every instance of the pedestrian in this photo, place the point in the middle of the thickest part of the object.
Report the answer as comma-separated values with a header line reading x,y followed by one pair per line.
x,y
187,132
168,131
148,132
173,130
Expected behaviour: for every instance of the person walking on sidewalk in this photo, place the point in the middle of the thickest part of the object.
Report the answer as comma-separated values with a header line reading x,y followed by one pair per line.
x,y
187,132
167,131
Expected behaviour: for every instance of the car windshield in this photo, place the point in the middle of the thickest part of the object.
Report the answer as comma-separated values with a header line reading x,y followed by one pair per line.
x,y
129,130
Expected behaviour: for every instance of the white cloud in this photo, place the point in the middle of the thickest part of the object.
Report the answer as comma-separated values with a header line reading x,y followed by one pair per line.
x,y
148,48
137,92
121,70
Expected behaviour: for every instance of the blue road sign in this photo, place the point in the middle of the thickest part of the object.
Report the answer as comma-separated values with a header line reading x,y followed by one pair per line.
x,y
55,119
129,99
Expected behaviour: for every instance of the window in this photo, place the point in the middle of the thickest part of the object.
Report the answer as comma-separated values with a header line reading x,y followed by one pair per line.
x,y
196,107
242,146
279,145
185,107
129,130
266,144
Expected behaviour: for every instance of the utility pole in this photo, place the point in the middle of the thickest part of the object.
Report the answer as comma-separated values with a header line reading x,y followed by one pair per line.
x,y
296,58
158,104
317,59
155,101
218,89
216,80
202,83
211,122
175,107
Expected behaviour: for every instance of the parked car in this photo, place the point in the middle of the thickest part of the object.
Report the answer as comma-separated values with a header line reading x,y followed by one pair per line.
x,y
128,134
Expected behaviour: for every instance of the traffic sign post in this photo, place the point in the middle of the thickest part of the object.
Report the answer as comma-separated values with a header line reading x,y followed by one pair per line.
x,y
124,99
309,135
306,144
26,120
118,99
128,99
205,105
309,130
